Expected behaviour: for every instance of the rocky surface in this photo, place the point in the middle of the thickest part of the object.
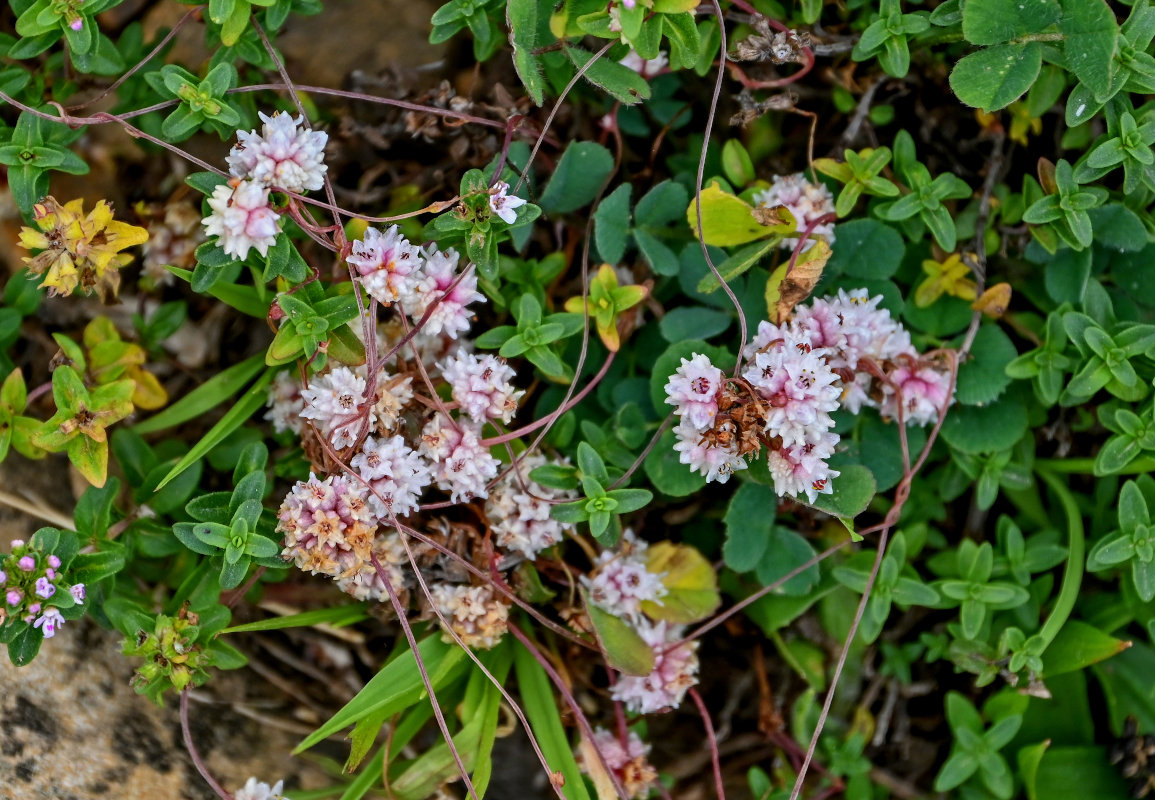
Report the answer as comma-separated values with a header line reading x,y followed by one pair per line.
x,y
71,728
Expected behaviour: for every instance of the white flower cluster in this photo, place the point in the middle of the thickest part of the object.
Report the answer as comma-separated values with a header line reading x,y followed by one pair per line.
x,y
807,201
620,584
799,373
629,761
518,511
675,671
407,429
474,613
284,156
423,282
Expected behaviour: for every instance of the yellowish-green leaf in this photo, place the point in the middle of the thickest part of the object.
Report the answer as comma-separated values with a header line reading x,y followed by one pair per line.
x,y
727,220
690,581
674,6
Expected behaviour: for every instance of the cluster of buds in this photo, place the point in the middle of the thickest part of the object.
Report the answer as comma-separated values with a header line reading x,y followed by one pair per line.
x,y
78,250
839,352
285,156
811,204
34,589
171,655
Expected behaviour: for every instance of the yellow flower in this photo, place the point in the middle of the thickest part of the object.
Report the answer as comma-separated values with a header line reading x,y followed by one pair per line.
x,y
1022,123
78,250
951,277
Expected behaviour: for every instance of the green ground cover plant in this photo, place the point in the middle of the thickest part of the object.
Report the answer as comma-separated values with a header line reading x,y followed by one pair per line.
x,y
735,398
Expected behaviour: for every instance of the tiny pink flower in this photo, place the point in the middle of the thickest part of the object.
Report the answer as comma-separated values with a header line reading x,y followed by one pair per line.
x,y
14,596
54,562
503,204
27,563
77,592
44,588
49,622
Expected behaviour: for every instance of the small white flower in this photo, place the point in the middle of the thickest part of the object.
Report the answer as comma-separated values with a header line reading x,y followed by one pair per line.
x,y
807,201
503,204
675,671
646,68
518,511
257,790
397,474
242,218
475,613
284,155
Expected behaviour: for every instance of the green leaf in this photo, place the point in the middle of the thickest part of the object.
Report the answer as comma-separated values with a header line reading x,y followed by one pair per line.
x,y
997,21
524,18
982,378
693,322
205,397
866,248
537,698
986,429
1078,645
736,265
1078,773
666,472
617,80
583,168
995,77
1091,34
233,419
852,492
396,687
786,551
748,526
612,224
1118,227
626,650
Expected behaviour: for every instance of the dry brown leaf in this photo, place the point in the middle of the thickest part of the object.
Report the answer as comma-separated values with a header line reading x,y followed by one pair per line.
x,y
797,284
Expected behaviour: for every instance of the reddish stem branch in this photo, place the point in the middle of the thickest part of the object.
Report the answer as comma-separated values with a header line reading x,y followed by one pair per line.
x,y
186,734
713,742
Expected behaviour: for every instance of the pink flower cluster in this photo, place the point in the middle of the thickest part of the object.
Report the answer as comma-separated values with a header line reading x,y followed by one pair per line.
x,y
330,529
621,582
851,328
807,201
629,761
518,510
283,156
838,352
423,282
675,671
29,579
